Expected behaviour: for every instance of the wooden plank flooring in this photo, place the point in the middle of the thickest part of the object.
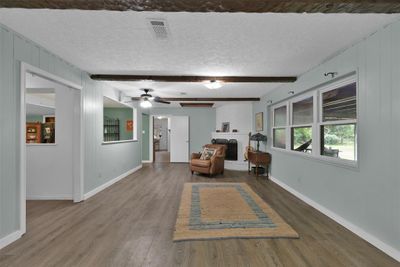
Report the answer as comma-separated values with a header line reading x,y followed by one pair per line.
x,y
131,224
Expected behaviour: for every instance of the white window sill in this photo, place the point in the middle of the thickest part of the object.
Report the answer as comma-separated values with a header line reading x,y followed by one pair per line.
x,y
343,163
41,144
119,142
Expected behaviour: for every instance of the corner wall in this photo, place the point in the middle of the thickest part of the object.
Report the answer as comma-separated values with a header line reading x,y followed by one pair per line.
x,y
102,163
368,197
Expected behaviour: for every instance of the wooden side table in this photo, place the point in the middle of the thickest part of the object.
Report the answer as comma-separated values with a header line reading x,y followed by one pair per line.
x,y
259,158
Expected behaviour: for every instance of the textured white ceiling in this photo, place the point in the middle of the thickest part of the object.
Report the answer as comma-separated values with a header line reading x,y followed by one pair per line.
x,y
198,43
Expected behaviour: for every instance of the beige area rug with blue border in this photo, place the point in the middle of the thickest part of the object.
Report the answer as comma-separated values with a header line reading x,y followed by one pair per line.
x,y
226,210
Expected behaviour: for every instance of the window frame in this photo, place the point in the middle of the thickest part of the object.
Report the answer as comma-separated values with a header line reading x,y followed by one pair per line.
x,y
321,91
317,93
315,115
282,104
134,118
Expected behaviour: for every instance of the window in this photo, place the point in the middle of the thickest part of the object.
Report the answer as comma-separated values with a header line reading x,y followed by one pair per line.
x,y
339,122
40,109
322,123
119,121
302,120
279,129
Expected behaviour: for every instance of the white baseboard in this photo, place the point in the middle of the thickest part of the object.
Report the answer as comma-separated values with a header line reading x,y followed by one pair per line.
x,y
109,183
236,165
147,161
49,197
5,241
391,251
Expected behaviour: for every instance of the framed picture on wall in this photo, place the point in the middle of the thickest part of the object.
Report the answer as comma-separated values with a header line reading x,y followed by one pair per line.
x,y
225,127
129,125
259,122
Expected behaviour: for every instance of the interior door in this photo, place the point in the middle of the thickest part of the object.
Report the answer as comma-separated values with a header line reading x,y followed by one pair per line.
x,y
179,138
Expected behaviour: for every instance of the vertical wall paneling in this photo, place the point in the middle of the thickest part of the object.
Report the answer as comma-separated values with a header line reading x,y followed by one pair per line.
x,y
102,163
367,197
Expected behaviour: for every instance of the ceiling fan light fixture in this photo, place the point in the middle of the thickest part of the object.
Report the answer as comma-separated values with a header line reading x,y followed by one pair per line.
x,y
213,84
146,103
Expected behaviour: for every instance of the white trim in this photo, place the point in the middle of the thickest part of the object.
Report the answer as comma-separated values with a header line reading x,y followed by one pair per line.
x,y
5,241
147,161
389,250
49,197
350,164
118,142
134,119
78,181
111,182
151,138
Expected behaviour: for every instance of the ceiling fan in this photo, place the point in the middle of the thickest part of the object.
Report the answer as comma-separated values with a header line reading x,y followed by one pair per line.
x,y
146,98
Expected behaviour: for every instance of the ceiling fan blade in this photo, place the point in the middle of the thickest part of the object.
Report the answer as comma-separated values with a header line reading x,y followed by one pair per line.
x,y
160,100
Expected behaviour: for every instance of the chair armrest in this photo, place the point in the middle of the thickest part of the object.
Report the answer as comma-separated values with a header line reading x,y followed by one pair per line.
x,y
196,155
217,164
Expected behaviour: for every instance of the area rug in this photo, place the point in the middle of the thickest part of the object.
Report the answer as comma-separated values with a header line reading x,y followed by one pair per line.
x,y
226,210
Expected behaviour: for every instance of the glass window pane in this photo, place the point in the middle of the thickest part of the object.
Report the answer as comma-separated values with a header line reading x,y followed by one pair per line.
x,y
339,141
40,114
280,116
118,124
303,111
302,139
340,103
280,138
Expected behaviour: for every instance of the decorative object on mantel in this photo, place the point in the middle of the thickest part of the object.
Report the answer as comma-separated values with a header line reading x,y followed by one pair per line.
x,y
259,122
234,131
258,137
225,127
258,157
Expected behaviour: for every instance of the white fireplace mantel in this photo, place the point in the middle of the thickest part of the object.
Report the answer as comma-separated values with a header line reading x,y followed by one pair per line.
x,y
242,140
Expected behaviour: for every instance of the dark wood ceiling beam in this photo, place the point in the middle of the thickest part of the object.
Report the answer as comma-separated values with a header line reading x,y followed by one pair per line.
x,y
170,78
253,6
209,99
197,105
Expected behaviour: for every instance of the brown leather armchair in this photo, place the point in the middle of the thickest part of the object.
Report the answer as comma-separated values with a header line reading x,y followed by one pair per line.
x,y
215,165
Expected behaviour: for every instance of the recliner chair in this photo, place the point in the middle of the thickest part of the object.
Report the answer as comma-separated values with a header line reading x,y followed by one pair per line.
x,y
215,165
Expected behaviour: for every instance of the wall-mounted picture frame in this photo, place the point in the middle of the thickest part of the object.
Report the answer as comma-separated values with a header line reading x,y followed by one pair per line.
x,y
129,125
259,122
225,127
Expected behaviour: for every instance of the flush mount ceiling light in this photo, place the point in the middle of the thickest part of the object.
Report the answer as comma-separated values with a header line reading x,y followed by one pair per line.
x,y
146,103
213,84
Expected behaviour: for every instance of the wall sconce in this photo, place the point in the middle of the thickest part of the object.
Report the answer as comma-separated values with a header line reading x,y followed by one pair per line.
x,y
269,102
332,74
291,93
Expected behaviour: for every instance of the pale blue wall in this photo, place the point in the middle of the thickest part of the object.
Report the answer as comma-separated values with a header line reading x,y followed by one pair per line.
x,y
201,124
102,162
368,196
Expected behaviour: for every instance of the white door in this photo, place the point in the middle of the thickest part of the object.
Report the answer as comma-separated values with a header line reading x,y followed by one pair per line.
x,y
179,139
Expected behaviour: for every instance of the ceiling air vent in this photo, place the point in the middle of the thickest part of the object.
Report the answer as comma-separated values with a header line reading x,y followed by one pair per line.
x,y
159,27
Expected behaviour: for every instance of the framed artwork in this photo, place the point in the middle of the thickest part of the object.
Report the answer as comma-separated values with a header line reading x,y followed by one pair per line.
x,y
259,122
225,127
129,125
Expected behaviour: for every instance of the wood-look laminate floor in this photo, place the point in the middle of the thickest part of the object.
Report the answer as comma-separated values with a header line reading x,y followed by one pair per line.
x,y
131,224
162,156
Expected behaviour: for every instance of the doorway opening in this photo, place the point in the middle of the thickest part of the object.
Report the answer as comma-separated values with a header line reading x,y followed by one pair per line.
x,y
50,139
161,139
168,143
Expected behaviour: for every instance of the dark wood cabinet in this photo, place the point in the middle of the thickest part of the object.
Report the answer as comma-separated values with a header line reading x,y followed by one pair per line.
x,y
33,132
259,158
